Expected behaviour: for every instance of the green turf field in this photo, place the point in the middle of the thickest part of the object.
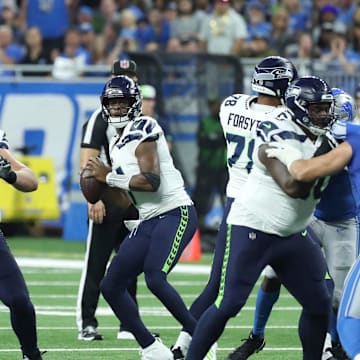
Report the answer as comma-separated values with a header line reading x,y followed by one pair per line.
x,y
54,290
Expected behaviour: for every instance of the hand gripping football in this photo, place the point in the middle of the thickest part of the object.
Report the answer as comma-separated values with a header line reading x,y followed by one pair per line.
x,y
90,187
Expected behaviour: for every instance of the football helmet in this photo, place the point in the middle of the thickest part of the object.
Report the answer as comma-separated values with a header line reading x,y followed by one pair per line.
x,y
344,105
273,75
121,87
306,98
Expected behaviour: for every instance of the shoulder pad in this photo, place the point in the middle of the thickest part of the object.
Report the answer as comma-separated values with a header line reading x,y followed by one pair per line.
x,y
284,114
144,124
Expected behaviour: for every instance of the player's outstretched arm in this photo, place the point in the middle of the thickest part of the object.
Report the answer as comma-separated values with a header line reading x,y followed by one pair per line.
x,y
324,165
16,173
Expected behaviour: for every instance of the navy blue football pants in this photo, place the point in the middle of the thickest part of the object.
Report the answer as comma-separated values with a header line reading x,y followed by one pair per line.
x,y
14,294
300,266
209,293
154,249
103,239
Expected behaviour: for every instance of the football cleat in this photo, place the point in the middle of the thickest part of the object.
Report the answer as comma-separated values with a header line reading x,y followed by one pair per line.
x,y
337,351
157,351
125,335
177,352
253,344
89,334
36,356
181,346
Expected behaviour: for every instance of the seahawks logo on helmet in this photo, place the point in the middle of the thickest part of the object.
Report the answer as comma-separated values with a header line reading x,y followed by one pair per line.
x,y
125,88
273,75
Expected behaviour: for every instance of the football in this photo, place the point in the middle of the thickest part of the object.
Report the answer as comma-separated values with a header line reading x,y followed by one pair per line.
x,y
91,188
115,196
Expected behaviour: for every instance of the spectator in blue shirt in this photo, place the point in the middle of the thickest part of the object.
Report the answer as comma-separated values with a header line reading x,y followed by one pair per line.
x,y
156,34
10,52
259,30
298,18
52,18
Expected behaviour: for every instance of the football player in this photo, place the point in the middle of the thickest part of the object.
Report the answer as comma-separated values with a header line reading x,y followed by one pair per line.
x,y
240,115
106,231
266,224
13,290
335,226
331,163
142,165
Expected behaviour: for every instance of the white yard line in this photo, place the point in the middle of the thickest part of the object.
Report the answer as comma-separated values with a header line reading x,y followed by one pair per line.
x,y
164,327
136,349
78,264
144,311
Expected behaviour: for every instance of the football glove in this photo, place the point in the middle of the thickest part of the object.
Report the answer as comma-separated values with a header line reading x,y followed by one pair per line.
x,y
284,152
5,171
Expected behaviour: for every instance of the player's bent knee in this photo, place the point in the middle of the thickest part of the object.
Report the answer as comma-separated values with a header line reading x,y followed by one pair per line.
x,y
20,303
107,289
155,280
319,306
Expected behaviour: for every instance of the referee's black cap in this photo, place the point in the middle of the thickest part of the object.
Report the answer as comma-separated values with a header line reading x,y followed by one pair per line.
x,y
123,67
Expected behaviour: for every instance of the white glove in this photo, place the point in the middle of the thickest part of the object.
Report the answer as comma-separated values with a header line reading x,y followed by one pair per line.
x,y
286,153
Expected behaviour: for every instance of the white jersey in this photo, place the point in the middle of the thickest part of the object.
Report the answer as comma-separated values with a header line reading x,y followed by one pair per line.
x,y
261,203
171,193
240,116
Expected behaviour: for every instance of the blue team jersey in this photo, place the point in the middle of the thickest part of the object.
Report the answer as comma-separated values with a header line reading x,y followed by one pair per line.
x,y
333,207
353,138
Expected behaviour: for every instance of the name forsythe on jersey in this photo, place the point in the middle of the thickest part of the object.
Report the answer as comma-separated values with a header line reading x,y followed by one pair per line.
x,y
241,121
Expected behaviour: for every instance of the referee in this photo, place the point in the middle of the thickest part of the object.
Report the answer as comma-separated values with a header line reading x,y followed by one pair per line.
x,y
106,229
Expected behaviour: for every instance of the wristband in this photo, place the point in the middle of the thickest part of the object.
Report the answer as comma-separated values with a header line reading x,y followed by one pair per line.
x,y
119,181
11,178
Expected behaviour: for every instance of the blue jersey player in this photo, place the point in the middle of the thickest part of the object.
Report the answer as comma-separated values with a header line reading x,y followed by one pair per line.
x,y
13,290
266,225
344,155
335,226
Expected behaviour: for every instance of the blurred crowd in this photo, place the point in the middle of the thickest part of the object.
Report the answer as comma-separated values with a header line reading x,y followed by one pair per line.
x,y
95,32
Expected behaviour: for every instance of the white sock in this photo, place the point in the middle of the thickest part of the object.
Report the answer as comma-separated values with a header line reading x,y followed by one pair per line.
x,y
183,341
